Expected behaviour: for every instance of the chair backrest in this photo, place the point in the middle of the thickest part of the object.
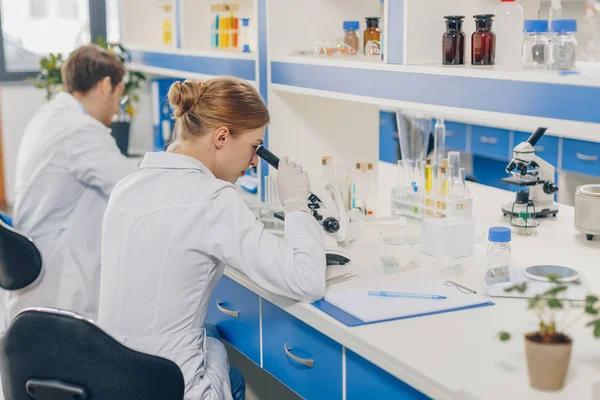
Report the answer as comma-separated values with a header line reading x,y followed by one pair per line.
x,y
20,259
59,354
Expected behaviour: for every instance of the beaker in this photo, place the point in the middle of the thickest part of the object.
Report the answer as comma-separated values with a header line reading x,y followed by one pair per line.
x,y
414,131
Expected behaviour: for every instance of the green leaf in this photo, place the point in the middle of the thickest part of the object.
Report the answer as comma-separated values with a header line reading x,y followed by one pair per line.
x,y
554,303
533,302
504,336
552,278
596,325
139,75
590,300
591,310
555,290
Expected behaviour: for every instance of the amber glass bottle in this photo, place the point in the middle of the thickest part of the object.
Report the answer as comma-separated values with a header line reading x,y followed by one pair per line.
x,y
453,41
483,41
372,34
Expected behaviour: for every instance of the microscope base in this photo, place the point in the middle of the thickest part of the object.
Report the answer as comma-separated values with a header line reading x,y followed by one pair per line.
x,y
541,211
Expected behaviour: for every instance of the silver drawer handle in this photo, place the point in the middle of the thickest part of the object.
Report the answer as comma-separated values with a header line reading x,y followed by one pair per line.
x,y
234,314
584,157
303,361
488,140
539,149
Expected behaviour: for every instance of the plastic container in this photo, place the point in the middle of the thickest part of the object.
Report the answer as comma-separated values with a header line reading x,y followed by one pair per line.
x,y
536,44
498,256
483,41
351,36
372,37
563,45
245,36
453,41
508,28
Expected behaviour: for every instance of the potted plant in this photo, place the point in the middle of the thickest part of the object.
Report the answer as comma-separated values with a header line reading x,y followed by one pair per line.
x,y
548,349
50,79
122,121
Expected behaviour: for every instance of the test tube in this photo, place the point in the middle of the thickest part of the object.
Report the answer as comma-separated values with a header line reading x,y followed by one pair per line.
x,y
400,172
419,174
428,175
444,181
451,184
454,162
409,166
462,183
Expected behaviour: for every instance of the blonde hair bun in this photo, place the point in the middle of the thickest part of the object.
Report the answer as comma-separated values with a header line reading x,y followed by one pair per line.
x,y
183,96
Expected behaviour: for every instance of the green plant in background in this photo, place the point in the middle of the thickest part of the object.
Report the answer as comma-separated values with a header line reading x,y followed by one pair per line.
x,y
546,307
49,77
132,80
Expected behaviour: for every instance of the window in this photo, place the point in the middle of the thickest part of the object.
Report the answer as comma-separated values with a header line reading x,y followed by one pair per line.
x,y
31,29
38,8
68,9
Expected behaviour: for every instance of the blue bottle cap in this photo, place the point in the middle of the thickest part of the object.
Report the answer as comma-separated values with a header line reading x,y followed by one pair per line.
x,y
564,25
351,25
245,21
536,26
499,234
246,48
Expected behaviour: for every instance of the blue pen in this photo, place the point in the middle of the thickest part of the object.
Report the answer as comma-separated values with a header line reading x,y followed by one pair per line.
x,y
409,295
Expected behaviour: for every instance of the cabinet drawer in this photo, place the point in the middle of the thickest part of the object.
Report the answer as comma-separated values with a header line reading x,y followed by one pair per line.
x,y
235,311
490,142
456,136
365,380
305,360
546,148
582,157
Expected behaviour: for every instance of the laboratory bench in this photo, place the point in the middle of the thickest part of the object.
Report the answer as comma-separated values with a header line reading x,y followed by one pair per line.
x,y
455,355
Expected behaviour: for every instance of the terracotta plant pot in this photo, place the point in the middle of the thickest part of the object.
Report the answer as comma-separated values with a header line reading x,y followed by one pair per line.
x,y
547,363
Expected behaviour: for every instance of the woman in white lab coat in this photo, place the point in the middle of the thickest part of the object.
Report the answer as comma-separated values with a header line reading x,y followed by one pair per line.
x,y
67,165
171,228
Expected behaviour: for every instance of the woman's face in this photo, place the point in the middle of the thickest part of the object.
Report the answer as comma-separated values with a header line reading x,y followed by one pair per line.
x,y
236,154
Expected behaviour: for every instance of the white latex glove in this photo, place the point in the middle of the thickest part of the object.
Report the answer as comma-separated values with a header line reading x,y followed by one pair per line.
x,y
293,186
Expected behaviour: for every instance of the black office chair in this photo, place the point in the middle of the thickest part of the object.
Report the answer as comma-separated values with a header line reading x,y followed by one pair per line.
x,y
49,354
20,259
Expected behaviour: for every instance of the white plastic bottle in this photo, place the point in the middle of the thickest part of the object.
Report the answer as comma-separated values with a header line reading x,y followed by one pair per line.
x,y
508,26
555,11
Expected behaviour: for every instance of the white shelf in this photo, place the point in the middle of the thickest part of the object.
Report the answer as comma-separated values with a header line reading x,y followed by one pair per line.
x,y
588,73
236,55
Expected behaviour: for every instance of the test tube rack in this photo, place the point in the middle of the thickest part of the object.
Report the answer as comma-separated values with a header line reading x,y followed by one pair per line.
x,y
417,204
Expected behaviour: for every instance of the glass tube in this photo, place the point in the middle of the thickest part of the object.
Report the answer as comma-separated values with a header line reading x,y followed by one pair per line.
x,y
454,162
462,183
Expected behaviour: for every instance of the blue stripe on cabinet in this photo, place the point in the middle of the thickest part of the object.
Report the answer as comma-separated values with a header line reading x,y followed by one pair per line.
x,y
263,83
395,44
244,69
496,95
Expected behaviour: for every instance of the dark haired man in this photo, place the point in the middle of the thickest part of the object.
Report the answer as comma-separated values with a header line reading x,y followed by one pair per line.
x,y
67,165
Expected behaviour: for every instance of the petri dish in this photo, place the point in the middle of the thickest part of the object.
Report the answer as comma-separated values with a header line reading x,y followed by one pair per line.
x,y
541,272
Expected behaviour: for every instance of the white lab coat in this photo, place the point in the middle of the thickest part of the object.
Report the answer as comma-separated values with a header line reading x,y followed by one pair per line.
x,y
67,165
169,231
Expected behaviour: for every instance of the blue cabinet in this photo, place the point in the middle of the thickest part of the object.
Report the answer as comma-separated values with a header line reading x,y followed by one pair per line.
x,y
235,311
388,137
546,148
490,142
301,357
456,136
582,157
365,380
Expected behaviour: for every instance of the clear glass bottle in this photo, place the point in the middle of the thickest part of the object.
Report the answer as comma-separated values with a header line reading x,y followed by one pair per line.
x,y
535,44
498,256
453,41
563,45
483,41
372,37
351,36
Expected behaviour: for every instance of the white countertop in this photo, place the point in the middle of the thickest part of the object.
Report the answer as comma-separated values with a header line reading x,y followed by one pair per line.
x,y
457,355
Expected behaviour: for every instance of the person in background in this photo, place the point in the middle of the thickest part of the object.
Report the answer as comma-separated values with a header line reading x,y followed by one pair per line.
x,y
67,166
170,229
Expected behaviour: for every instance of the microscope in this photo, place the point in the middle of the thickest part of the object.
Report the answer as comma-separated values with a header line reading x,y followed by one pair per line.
x,y
528,170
